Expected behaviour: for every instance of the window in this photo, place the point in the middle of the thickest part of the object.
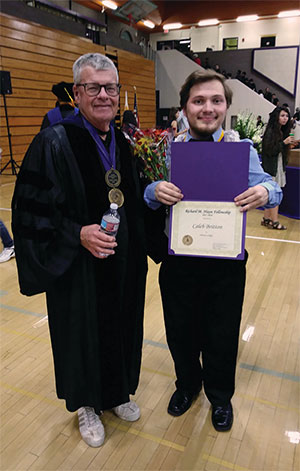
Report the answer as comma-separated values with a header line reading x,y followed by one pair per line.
x,y
267,41
230,43
126,35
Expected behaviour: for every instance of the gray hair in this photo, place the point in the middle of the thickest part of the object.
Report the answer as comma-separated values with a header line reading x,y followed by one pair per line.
x,y
95,60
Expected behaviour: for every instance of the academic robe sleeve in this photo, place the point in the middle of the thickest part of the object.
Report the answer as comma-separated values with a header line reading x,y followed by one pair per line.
x,y
45,216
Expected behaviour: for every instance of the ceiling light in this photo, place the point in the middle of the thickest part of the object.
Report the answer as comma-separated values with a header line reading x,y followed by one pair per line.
x,y
148,23
172,26
285,14
247,18
109,4
213,21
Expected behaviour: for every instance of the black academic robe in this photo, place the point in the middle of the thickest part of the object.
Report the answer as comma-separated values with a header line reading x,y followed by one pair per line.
x,y
95,307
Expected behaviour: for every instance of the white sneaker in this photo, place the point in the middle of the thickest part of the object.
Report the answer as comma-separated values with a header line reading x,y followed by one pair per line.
x,y
91,427
129,411
6,254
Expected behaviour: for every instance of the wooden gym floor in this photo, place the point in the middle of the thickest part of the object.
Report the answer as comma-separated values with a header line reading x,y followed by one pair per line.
x,y
37,433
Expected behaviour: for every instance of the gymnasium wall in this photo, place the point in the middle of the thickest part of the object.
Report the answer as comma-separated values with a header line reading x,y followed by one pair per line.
x,y
37,57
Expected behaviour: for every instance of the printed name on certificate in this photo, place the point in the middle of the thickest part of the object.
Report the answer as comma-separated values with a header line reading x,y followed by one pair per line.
x,y
206,228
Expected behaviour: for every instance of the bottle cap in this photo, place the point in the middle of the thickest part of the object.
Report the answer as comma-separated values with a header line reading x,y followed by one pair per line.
x,y
113,206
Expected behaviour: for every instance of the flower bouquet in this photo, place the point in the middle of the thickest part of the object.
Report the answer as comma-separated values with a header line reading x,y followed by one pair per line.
x,y
247,129
150,147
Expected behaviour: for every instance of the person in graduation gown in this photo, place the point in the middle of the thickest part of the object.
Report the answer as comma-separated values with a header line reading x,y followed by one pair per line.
x,y
203,297
94,283
64,107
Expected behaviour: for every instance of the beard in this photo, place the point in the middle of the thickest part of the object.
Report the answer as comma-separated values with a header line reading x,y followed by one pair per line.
x,y
201,132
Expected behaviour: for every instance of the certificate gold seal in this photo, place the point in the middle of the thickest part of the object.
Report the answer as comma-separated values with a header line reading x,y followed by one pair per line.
x,y
113,178
116,196
187,240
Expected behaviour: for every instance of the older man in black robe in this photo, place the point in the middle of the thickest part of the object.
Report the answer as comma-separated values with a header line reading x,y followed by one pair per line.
x,y
94,283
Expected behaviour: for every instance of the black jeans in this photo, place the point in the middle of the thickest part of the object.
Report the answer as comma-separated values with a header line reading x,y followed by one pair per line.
x,y
202,301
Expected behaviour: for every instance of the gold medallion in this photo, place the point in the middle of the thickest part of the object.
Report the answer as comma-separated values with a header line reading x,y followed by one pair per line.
x,y
187,240
113,178
116,196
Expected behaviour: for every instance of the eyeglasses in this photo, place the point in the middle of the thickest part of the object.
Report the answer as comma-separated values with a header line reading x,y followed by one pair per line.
x,y
93,89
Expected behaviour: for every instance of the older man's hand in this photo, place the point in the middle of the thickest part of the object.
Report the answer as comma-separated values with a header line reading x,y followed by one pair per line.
x,y
167,193
252,198
97,242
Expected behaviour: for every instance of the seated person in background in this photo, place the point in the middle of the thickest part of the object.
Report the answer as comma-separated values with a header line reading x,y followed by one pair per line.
x,y
268,94
297,114
244,77
197,59
274,97
64,106
259,121
239,75
172,123
251,84
206,63
8,244
182,122
129,124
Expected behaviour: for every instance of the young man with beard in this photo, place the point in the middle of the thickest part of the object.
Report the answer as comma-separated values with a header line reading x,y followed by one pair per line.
x,y
203,297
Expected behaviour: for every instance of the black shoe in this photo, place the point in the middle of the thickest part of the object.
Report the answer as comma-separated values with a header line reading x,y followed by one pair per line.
x,y
180,402
222,417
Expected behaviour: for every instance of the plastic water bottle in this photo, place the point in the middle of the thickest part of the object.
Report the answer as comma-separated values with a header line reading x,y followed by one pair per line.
x,y
110,222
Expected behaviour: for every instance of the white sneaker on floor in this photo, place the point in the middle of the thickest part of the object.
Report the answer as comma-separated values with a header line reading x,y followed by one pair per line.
x,y
6,254
129,411
90,426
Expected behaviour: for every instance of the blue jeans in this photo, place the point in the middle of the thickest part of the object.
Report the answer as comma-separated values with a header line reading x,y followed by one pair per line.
x,y
5,237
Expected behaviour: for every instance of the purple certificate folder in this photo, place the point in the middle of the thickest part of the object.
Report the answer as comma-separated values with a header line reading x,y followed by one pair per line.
x,y
210,171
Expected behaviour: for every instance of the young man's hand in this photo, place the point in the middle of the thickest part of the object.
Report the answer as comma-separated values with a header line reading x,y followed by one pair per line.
x,y
167,193
252,198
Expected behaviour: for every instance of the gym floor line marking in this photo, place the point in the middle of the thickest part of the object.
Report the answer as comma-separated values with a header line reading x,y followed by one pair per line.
x,y
225,464
275,240
21,311
145,435
165,347
112,423
36,396
267,403
26,336
156,344
157,372
266,371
